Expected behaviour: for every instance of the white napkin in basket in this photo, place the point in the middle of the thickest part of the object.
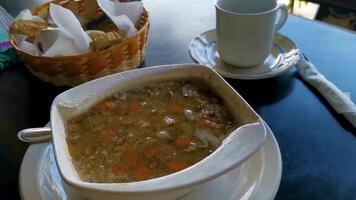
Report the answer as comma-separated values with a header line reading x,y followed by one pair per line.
x,y
68,39
69,26
55,43
26,46
21,39
123,14
340,101
27,15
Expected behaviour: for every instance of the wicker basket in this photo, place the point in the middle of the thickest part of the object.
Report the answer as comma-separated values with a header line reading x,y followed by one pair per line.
x,y
74,70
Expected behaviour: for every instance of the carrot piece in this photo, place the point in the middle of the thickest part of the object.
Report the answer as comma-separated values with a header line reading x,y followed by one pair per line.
x,y
151,152
205,122
134,106
175,166
108,134
174,109
105,105
141,172
183,142
119,169
130,158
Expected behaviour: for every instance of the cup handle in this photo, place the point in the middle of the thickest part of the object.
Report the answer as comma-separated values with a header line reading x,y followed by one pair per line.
x,y
283,17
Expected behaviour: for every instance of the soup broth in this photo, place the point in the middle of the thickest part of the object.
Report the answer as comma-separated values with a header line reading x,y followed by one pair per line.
x,y
147,132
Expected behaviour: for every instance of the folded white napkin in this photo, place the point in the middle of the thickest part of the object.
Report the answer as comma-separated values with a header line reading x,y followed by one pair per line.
x,y
70,27
26,15
55,43
70,38
123,14
27,46
21,39
340,101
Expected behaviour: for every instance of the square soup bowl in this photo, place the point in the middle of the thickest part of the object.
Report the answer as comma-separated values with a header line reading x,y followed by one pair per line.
x,y
241,143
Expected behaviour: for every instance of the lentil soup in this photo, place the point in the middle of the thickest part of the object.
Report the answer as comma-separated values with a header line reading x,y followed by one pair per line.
x,y
147,132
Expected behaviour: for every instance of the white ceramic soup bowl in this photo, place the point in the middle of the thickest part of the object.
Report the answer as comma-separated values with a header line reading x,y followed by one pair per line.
x,y
236,148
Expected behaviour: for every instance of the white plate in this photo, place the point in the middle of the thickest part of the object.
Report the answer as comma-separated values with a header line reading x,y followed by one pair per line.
x,y
257,178
284,54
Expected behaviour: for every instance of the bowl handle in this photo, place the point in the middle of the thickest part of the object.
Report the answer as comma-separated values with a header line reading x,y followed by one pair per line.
x,y
35,135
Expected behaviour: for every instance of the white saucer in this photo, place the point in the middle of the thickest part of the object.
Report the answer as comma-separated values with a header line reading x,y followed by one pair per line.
x,y
284,54
257,178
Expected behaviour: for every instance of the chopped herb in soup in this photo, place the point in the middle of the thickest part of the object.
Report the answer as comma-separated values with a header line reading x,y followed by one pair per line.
x,y
148,132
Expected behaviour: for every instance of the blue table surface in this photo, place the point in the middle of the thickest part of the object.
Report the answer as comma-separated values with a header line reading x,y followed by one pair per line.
x,y
318,146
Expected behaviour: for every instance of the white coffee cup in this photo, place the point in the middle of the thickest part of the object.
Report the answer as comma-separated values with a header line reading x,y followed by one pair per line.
x,y
245,30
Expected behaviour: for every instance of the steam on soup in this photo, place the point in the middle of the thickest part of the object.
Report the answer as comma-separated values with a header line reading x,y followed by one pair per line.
x,y
148,132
